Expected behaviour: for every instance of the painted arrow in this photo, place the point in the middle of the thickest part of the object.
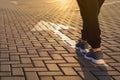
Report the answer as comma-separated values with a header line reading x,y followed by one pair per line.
x,y
42,25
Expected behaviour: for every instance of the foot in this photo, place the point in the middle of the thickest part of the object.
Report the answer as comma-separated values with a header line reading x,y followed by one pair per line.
x,y
95,57
82,47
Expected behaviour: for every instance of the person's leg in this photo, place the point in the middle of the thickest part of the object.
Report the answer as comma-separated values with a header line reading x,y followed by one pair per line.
x,y
100,3
82,6
82,45
89,11
91,23
91,32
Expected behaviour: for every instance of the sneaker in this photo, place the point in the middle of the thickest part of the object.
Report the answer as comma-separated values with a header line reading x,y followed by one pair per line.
x,y
95,57
82,47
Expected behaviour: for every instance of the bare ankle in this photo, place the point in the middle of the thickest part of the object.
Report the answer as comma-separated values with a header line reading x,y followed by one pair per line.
x,y
96,49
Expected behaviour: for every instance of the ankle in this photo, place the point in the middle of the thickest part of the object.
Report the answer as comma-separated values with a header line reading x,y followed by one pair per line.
x,y
96,49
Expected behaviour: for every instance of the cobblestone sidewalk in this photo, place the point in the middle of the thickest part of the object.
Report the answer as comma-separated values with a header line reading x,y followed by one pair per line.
x,y
37,40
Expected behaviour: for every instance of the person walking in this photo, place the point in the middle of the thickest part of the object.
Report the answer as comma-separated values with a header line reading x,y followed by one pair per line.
x,y
91,32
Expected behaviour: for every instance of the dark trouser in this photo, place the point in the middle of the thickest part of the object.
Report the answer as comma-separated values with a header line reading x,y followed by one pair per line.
x,y
89,11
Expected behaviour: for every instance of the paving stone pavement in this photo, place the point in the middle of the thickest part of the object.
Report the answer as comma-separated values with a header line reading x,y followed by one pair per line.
x,y
37,38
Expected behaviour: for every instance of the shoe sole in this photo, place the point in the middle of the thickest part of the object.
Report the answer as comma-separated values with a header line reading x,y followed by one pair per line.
x,y
101,61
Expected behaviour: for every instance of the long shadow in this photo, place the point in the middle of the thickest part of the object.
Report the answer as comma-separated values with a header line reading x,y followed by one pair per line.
x,y
91,71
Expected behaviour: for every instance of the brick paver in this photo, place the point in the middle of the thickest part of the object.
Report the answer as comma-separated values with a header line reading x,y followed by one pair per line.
x,y
37,37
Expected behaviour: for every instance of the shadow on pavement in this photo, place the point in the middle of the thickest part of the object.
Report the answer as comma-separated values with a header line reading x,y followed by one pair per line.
x,y
90,71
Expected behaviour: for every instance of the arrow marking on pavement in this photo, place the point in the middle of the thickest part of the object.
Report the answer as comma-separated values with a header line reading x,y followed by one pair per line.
x,y
42,25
